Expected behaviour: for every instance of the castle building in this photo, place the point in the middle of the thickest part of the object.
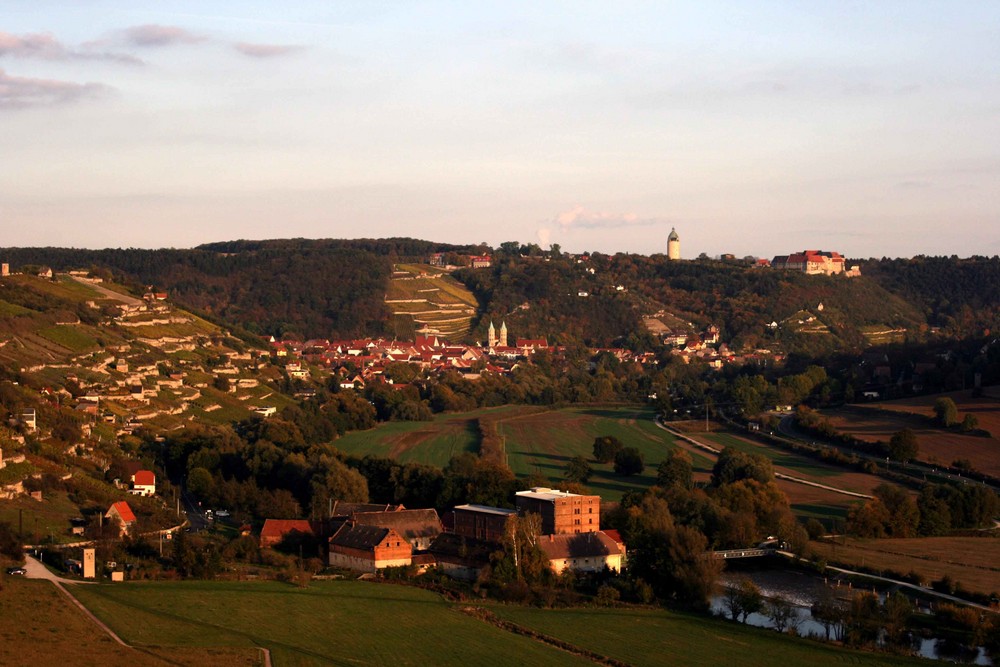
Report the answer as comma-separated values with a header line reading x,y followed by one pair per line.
x,y
673,246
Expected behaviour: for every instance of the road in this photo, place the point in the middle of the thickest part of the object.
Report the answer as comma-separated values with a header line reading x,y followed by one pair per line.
x,y
36,570
915,469
778,475
111,294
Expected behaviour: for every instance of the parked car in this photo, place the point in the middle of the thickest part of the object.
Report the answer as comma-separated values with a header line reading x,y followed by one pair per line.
x,y
17,570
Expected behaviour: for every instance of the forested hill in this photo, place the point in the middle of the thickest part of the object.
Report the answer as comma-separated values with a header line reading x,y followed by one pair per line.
x,y
958,294
336,288
602,299
313,288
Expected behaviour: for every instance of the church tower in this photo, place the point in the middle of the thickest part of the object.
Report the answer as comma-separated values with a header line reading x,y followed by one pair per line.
x,y
503,334
673,246
491,337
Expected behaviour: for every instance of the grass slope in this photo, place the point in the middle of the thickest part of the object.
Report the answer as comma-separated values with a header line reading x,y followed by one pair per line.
x,y
653,637
544,443
337,623
39,627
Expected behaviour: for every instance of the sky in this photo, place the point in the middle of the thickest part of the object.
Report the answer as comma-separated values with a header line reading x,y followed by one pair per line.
x,y
754,128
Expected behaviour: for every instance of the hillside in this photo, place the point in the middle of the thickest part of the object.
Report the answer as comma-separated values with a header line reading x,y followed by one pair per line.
x,y
338,289
85,366
426,300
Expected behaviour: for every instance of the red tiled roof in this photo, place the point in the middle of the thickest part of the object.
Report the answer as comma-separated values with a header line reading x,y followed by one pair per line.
x,y
278,528
144,478
123,510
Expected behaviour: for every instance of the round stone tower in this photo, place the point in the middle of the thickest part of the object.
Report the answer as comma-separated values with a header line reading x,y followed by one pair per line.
x,y
673,245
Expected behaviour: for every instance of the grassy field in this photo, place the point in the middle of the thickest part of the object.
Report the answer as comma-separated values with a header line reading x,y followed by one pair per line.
x,y
8,309
652,637
41,519
338,623
874,422
536,441
70,337
974,562
40,628
543,443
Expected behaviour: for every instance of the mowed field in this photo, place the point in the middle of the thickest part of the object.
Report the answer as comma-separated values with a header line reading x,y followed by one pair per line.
x,y
536,441
357,623
433,442
879,421
543,443
328,623
974,562
40,627
651,638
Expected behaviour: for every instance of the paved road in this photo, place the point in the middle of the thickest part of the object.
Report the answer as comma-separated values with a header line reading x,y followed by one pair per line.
x,y
786,427
36,570
778,475
111,294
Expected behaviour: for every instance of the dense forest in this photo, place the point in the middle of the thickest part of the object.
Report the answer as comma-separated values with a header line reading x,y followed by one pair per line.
x,y
335,288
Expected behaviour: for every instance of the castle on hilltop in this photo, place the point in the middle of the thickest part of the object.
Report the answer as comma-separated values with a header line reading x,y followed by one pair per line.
x,y
673,246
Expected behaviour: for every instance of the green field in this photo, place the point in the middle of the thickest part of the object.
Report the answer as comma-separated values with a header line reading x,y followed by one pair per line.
x,y
643,637
536,442
804,465
340,623
543,443
8,309
41,519
349,622
39,627
70,337
433,442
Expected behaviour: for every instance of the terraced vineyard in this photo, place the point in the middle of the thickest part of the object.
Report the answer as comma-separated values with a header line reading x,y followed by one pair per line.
x,y
428,301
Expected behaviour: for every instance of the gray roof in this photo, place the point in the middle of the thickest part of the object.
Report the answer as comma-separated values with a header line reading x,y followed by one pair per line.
x,y
408,523
358,537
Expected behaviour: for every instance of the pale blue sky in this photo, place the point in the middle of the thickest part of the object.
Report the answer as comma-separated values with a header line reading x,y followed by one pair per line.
x,y
871,128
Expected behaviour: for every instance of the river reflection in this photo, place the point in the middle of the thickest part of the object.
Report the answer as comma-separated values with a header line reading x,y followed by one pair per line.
x,y
802,590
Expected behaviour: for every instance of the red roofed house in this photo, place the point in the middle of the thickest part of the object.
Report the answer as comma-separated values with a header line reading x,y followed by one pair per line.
x,y
275,530
143,483
121,514
368,548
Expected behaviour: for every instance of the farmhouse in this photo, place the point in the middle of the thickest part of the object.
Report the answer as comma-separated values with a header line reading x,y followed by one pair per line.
x,y
417,527
587,552
121,514
143,483
368,548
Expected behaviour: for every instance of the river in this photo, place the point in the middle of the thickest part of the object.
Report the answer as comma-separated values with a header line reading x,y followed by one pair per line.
x,y
803,589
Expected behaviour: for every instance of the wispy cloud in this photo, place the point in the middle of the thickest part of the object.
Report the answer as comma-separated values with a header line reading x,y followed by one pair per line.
x,y
152,35
265,50
20,93
579,217
45,46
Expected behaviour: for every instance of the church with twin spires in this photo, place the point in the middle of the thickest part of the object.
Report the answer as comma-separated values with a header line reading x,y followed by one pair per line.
x,y
492,340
